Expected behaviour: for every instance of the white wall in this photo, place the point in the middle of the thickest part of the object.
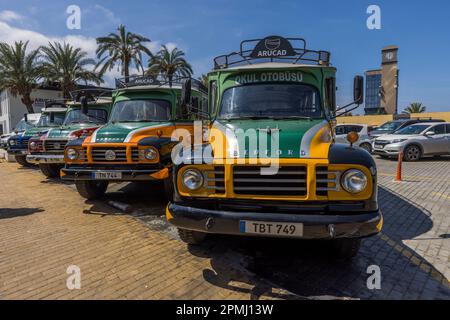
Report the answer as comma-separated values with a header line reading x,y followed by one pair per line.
x,y
12,109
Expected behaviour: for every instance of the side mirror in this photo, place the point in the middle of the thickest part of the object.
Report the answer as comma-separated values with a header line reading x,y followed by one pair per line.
x,y
25,116
358,90
84,104
52,117
430,133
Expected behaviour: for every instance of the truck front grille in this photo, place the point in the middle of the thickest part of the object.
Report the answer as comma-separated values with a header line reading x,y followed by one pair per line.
x,y
55,145
215,179
119,154
326,181
288,181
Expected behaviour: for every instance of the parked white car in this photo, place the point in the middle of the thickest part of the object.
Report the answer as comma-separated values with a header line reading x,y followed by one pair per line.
x,y
362,129
417,141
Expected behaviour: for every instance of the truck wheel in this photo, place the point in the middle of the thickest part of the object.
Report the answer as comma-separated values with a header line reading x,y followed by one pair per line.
x,y
168,188
412,153
91,189
346,248
50,170
367,147
191,237
22,160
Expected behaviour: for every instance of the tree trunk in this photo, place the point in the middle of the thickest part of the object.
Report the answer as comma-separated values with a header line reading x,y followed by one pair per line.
x,y
126,70
26,100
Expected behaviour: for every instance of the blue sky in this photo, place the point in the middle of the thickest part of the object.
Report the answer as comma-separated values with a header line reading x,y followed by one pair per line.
x,y
204,29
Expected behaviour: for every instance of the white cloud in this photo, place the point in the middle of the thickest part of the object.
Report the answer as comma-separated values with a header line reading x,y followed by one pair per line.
x,y
8,15
108,14
11,34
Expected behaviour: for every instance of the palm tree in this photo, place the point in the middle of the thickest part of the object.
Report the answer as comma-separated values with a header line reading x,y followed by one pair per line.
x,y
67,65
415,107
169,63
124,48
19,71
204,79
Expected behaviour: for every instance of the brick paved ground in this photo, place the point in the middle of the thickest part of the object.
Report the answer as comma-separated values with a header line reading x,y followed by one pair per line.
x,y
46,227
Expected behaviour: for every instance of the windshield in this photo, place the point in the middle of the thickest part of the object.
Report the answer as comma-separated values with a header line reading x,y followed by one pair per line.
x,y
97,116
415,129
390,126
23,125
45,120
271,101
141,111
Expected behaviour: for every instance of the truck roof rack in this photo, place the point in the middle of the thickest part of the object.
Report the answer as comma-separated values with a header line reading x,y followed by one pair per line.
x,y
93,94
273,49
54,103
158,81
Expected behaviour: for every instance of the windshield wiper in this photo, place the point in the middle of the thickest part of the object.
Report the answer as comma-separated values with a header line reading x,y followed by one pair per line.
x,y
293,117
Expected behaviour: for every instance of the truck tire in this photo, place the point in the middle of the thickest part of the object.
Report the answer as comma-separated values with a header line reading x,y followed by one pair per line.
x,y
22,160
346,248
191,237
91,189
168,188
50,170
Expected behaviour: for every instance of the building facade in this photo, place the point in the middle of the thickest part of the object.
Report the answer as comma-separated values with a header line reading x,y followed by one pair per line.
x,y
12,109
373,92
382,85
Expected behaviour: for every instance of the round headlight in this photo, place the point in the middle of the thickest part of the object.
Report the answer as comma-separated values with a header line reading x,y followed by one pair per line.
x,y
72,154
354,181
33,144
12,142
150,154
192,179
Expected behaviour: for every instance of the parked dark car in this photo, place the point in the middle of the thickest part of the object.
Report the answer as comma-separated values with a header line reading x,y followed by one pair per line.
x,y
392,126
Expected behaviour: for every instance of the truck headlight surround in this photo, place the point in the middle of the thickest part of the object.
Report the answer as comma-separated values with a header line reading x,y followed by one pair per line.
x,y
72,154
33,144
150,154
354,181
192,179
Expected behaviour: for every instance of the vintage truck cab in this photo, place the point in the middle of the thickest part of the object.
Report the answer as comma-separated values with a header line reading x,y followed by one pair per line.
x,y
136,143
269,166
88,110
52,115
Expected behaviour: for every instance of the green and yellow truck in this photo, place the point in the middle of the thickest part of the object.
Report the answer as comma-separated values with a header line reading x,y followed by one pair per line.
x,y
88,109
270,166
136,144
51,116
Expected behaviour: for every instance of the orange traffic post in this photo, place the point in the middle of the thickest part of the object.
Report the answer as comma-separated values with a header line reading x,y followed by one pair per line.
x,y
399,166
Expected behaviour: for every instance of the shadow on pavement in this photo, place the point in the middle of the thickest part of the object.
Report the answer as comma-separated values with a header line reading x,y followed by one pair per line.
x,y
308,269
8,213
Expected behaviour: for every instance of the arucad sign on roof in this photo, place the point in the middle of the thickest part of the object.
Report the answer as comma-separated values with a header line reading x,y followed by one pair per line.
x,y
272,47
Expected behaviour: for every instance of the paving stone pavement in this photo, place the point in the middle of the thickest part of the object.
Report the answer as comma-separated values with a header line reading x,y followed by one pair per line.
x,y
46,227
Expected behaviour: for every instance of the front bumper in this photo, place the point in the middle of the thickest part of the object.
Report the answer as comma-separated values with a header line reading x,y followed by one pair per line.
x,y
45,158
354,225
17,152
388,150
128,173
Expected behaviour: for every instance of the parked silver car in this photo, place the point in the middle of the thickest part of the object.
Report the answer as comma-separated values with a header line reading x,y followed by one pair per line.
x,y
363,130
416,141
